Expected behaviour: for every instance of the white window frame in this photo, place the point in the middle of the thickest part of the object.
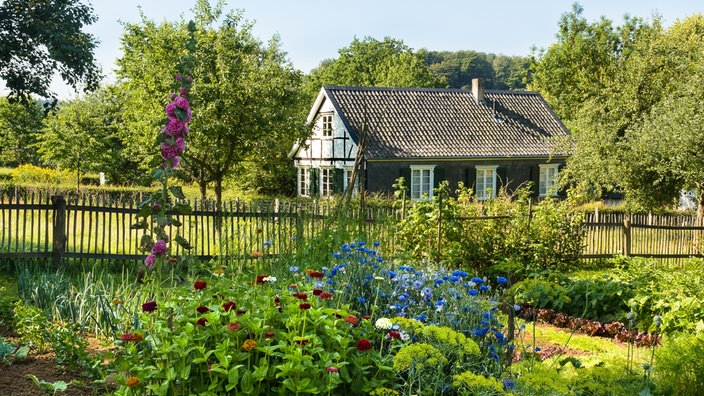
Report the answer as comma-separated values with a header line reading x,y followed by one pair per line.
x,y
348,170
327,124
548,179
303,181
484,186
326,182
421,189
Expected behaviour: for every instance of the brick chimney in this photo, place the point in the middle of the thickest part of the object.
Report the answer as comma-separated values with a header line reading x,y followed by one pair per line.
x,y
478,90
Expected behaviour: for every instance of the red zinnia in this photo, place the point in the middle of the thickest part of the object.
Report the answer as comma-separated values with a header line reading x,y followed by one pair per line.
x,y
300,296
233,326
316,274
269,334
351,319
304,306
301,342
201,321
149,306
228,306
332,369
325,296
203,309
260,279
241,312
126,337
199,285
316,292
394,334
364,345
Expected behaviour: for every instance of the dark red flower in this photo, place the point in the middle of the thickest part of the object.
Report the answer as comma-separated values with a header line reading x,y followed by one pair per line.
x,y
149,306
301,342
351,319
394,334
366,317
260,279
201,321
203,309
316,292
199,285
300,296
233,326
127,337
316,274
364,345
304,306
228,306
269,334
241,312
325,296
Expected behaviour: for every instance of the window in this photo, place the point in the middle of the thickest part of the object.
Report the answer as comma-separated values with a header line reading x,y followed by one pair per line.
x,y
486,182
422,182
348,179
304,181
327,124
548,178
326,175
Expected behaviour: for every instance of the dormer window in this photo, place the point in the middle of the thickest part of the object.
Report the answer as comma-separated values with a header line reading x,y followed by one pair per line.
x,y
327,124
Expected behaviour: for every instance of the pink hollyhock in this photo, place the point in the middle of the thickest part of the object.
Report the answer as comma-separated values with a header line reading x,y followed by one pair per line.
x,y
171,110
174,127
181,103
180,144
149,261
190,80
332,369
159,248
168,152
179,77
183,91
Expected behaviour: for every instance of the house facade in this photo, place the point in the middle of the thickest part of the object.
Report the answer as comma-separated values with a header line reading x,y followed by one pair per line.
x,y
487,140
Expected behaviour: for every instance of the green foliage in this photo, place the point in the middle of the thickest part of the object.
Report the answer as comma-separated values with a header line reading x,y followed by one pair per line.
x,y
10,352
71,349
30,324
460,67
679,367
53,387
369,62
600,298
539,293
19,127
41,38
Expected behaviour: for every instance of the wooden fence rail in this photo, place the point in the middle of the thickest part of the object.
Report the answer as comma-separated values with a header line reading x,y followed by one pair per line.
x,y
51,227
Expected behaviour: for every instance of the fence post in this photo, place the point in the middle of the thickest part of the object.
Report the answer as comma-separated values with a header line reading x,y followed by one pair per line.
x,y
439,221
59,226
627,235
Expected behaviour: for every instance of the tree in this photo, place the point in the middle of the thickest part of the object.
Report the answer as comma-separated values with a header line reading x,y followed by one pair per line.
x,y
373,63
19,126
246,99
81,136
39,38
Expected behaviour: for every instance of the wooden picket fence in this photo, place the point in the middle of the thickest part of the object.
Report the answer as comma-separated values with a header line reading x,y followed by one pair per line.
x,y
42,226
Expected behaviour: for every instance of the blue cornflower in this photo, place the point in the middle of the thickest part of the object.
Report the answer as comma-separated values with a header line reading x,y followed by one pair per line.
x,y
392,274
438,282
499,336
459,273
417,284
473,292
293,268
483,288
337,255
477,280
361,300
480,331
501,280
516,307
267,243
537,349
508,384
361,243
376,244
454,279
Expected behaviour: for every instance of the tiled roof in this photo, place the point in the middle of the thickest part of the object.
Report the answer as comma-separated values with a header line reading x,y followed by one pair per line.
x,y
448,123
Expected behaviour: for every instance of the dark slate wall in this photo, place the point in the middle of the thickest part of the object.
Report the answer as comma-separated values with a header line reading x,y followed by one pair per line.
x,y
382,175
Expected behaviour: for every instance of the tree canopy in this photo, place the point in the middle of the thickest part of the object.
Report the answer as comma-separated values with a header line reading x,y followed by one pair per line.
x,y
246,98
39,38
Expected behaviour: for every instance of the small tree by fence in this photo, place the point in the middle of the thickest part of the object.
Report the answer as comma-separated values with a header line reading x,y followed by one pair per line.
x,y
41,226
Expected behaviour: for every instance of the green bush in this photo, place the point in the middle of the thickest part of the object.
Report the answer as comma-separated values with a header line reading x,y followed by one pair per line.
x,y
30,174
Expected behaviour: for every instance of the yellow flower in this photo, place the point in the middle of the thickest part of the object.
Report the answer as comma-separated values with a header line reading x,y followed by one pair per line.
x,y
116,301
418,356
477,384
248,345
218,272
132,382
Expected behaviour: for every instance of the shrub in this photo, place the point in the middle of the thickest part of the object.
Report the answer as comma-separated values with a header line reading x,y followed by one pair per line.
x,y
679,365
30,174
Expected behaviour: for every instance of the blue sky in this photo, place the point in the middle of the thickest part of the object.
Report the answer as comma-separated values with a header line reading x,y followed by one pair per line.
x,y
313,30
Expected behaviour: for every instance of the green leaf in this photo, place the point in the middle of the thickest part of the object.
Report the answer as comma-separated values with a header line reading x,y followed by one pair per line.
x,y
183,242
183,208
177,192
22,352
158,173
